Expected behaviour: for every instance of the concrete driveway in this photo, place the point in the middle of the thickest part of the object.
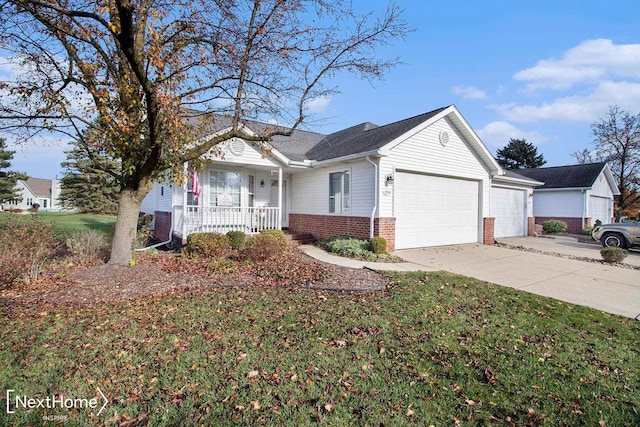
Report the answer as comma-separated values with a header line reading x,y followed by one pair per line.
x,y
607,288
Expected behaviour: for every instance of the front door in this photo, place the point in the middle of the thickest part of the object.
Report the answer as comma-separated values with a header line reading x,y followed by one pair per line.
x,y
273,200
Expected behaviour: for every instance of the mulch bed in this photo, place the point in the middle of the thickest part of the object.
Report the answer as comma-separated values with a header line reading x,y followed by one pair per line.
x,y
157,275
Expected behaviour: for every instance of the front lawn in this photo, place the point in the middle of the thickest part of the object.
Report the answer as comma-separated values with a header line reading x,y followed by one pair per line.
x,y
66,223
434,349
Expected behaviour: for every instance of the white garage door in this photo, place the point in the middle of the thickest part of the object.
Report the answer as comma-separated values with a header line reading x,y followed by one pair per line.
x,y
434,210
508,209
600,208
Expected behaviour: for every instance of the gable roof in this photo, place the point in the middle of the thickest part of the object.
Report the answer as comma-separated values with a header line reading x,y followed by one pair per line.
x,y
365,137
359,140
573,176
39,186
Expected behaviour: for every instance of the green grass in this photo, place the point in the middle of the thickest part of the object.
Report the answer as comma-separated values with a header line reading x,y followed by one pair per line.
x,y
66,223
433,349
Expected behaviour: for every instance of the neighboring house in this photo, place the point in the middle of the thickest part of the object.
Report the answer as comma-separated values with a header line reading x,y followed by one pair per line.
x,y
577,194
424,181
44,192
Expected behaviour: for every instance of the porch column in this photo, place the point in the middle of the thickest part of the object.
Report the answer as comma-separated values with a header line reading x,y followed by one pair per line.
x,y
279,222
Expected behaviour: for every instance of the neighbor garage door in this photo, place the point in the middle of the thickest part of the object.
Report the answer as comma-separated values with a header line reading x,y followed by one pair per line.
x,y
434,210
600,208
508,209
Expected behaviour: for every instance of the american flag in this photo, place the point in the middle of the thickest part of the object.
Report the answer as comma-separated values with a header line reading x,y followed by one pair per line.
x,y
195,185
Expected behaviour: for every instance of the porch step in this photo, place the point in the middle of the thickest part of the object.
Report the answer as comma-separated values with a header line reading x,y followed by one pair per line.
x,y
300,238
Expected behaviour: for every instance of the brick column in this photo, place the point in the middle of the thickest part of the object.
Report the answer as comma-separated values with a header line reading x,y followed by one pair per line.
x,y
163,226
488,235
531,226
386,227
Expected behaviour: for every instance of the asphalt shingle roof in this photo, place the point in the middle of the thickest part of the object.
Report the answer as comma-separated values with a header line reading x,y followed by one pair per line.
x,y
40,187
364,137
574,176
306,145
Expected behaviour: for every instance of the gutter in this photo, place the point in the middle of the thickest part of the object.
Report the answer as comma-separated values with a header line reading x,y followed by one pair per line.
x,y
375,197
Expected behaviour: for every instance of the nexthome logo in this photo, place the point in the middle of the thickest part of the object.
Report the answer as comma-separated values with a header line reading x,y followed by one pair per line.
x,y
16,402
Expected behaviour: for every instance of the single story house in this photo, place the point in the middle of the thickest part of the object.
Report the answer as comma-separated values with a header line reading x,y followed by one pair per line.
x,y
44,192
423,181
576,194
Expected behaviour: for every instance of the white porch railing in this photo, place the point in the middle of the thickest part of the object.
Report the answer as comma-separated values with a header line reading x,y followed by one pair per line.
x,y
218,219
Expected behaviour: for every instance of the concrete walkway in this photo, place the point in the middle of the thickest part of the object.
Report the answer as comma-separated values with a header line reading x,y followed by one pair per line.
x,y
603,287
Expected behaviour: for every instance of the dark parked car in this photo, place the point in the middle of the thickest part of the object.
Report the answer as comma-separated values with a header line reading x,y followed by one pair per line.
x,y
620,235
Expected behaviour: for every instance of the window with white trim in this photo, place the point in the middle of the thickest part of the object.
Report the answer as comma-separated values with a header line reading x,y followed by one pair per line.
x,y
224,188
252,189
339,192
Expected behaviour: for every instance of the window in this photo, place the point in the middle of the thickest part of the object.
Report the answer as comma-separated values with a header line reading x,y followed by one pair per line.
x,y
339,192
224,188
252,190
29,201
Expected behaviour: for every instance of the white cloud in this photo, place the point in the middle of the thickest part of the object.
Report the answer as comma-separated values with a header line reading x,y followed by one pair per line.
x,y
497,134
318,105
577,108
590,61
469,92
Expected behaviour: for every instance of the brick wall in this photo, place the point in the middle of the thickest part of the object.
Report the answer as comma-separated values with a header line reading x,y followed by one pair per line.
x,y
322,226
489,236
531,226
574,225
163,226
386,227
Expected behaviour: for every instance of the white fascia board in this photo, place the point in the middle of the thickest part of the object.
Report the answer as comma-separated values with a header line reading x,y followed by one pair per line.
x,y
611,180
549,190
356,156
512,180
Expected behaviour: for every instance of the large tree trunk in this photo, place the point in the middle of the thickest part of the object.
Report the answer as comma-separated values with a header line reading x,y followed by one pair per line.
x,y
126,226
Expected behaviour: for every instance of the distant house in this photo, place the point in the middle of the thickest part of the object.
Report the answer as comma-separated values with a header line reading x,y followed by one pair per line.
x,y
427,180
44,192
576,194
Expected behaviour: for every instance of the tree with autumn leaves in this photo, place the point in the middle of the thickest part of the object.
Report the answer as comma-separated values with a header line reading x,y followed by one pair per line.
x,y
142,80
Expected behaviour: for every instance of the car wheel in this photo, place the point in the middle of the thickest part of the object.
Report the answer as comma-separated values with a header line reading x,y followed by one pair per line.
x,y
614,240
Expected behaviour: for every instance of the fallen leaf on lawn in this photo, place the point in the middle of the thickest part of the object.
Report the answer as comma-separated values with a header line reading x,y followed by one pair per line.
x,y
253,374
255,405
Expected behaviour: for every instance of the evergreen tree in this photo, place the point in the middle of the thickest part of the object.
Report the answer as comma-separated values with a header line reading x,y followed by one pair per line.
x,y
88,184
519,154
8,179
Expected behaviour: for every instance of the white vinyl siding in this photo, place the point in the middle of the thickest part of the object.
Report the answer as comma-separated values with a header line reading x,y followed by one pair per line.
x,y
310,189
422,152
435,210
508,207
159,199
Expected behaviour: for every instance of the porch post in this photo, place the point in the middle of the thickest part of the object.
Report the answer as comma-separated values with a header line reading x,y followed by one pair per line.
x,y
279,221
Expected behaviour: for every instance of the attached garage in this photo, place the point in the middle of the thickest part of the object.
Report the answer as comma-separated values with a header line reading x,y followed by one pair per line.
x,y
509,208
600,208
435,210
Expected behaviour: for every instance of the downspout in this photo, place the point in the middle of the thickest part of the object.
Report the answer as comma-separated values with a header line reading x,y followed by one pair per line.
x,y
173,214
584,207
376,182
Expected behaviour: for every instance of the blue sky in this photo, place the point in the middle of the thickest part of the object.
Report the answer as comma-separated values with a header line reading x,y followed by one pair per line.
x,y
542,70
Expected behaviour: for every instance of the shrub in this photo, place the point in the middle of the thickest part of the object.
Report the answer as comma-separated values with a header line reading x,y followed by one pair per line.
x,y
87,245
554,226
209,245
347,246
265,246
587,230
379,245
143,231
25,245
613,255
237,240
598,223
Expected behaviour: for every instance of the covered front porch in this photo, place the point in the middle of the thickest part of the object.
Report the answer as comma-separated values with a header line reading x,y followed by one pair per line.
x,y
246,198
